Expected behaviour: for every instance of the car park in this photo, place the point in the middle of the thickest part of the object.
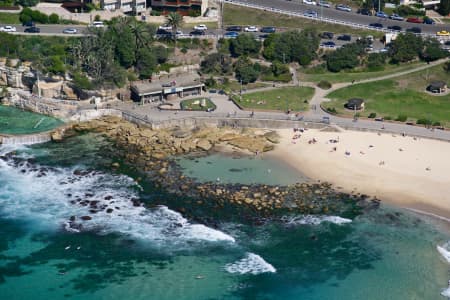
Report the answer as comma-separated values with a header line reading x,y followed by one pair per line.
x,y
231,35
327,35
323,3
200,27
310,13
395,27
32,29
70,31
396,17
344,37
376,25
310,2
343,7
8,28
268,29
381,14
234,28
251,29
414,20
443,33
414,30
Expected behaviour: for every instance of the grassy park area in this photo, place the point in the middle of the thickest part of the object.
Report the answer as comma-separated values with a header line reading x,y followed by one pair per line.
x,y
403,96
293,98
202,104
9,18
238,15
318,74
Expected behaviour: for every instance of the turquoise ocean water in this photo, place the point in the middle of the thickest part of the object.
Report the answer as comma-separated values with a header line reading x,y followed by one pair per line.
x,y
16,121
154,252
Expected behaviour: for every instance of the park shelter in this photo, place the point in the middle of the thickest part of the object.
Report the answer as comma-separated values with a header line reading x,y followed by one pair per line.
x,y
355,104
437,87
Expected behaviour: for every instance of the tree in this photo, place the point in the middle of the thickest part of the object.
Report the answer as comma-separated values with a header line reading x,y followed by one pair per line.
x,y
174,20
444,7
244,44
376,60
146,63
406,47
432,50
346,57
216,63
246,71
53,19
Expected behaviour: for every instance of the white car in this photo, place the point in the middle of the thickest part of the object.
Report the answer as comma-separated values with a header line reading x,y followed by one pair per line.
x,y
165,28
98,24
70,31
251,29
324,3
8,28
310,2
200,27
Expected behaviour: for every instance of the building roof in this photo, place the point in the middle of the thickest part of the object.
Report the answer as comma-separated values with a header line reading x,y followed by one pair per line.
x,y
437,85
158,85
355,101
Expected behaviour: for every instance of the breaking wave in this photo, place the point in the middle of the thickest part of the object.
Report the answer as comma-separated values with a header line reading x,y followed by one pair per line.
x,y
250,264
314,220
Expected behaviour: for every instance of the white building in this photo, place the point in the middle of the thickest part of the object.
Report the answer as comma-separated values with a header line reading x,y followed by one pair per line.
x,y
135,7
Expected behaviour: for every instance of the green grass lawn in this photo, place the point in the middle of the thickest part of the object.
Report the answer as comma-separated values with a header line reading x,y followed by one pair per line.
x,y
237,15
235,86
203,104
316,75
292,98
404,95
9,18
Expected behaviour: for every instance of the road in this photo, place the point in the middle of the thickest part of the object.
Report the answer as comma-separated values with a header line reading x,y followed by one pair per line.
x,y
50,29
353,17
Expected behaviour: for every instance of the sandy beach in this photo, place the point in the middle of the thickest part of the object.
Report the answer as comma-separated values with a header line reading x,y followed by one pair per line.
x,y
402,170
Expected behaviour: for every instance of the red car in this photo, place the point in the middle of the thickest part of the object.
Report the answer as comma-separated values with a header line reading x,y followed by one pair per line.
x,y
414,20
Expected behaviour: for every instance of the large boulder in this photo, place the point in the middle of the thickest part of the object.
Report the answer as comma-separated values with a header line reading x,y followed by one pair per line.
x,y
204,145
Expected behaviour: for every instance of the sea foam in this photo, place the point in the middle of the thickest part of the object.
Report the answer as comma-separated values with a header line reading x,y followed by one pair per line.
x,y
443,250
314,220
250,264
60,198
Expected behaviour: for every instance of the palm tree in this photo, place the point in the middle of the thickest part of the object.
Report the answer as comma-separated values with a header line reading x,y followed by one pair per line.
x,y
174,20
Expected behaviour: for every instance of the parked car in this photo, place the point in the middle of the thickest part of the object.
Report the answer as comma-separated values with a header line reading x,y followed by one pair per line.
x,y
376,25
369,48
365,11
310,2
269,29
343,7
70,31
344,37
234,28
251,29
28,24
414,20
328,44
396,17
33,29
381,14
414,30
165,28
197,32
327,35
324,3
97,24
428,21
231,35
8,28
395,27
200,27
443,33
310,13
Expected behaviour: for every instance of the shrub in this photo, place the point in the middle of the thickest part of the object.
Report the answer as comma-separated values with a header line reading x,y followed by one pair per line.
x,y
387,118
436,123
323,84
372,115
97,18
331,110
401,118
53,19
423,121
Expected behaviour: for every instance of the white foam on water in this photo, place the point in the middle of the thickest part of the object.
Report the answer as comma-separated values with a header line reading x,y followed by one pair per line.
x,y
250,264
443,250
50,196
314,220
446,292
